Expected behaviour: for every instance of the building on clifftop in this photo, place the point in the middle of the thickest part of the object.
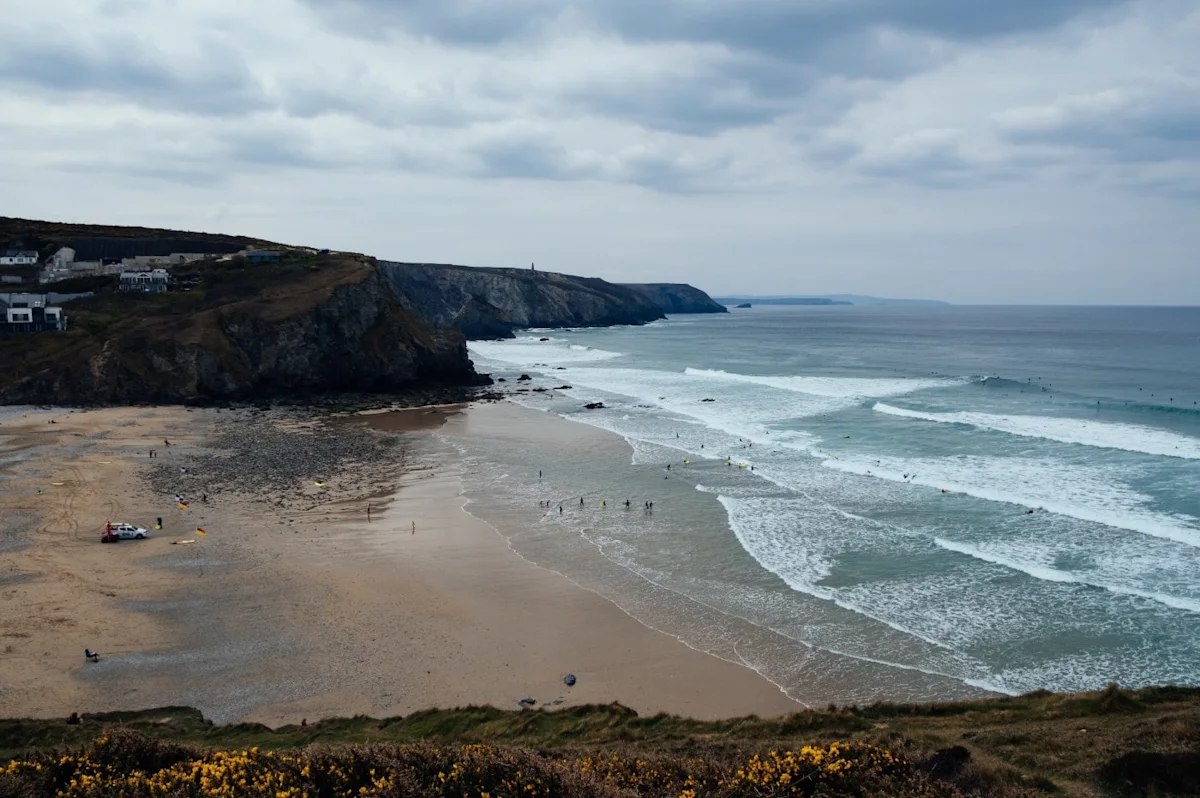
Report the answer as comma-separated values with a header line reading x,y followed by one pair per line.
x,y
30,313
151,282
19,257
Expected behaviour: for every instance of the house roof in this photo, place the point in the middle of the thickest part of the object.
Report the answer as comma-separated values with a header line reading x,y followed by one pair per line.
x,y
21,253
151,273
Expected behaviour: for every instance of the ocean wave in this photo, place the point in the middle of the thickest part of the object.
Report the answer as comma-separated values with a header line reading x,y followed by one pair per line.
x,y
801,570
725,408
834,387
1099,434
530,352
1087,494
1050,574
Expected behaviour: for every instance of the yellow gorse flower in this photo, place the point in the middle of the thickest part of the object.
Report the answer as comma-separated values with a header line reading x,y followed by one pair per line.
x,y
450,771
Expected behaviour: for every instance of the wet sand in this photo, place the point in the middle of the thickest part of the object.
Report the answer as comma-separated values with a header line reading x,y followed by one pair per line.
x,y
294,605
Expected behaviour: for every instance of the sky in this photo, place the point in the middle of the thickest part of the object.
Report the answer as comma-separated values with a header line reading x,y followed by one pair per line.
x,y
1025,151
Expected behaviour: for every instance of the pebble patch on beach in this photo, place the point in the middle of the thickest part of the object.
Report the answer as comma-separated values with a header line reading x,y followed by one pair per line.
x,y
280,458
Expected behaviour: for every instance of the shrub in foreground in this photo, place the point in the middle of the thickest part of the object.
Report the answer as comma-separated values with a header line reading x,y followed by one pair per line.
x,y
132,764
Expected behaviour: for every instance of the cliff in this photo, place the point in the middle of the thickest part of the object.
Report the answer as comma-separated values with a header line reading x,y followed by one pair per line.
x,y
678,298
309,325
491,303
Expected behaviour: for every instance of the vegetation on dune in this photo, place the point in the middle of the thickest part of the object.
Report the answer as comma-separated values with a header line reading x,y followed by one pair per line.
x,y
1116,742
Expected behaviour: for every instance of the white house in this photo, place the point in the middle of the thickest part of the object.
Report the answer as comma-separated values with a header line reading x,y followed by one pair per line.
x,y
19,257
151,282
30,313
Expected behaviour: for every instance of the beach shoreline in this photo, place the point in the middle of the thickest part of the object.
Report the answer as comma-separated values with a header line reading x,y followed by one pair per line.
x,y
294,604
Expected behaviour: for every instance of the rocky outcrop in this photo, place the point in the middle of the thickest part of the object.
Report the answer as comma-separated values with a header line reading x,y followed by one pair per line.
x,y
491,303
350,333
678,298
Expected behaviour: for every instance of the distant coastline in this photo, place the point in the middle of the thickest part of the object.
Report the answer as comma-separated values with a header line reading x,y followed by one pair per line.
x,y
828,299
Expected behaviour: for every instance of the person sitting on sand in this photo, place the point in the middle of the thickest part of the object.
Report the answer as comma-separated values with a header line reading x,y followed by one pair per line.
x,y
91,656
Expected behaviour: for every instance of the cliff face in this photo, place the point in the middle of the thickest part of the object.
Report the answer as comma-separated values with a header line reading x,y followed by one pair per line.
x,y
310,324
678,298
491,303
342,329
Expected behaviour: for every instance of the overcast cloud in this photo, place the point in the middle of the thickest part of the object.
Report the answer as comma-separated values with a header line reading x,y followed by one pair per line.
x,y
1024,151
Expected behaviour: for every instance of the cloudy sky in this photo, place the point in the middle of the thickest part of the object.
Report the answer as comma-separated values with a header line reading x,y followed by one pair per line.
x,y
1015,151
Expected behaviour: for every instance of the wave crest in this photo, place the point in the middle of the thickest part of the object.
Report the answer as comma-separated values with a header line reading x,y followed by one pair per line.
x,y
1099,434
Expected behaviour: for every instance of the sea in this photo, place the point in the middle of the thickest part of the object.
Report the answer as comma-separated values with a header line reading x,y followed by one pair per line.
x,y
871,503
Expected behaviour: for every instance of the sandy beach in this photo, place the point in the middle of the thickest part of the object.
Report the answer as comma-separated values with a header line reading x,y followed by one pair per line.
x,y
295,604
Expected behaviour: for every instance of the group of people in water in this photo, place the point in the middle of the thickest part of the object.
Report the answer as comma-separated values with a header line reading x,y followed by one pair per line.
x,y
648,506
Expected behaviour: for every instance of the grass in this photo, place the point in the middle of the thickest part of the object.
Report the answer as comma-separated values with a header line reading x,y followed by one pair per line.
x,y
1107,742
93,240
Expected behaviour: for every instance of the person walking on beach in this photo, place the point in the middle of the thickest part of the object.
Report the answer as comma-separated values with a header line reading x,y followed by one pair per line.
x,y
539,473
627,504
580,501
414,528
560,509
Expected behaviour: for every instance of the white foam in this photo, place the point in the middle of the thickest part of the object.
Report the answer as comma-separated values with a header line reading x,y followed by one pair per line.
x,y
732,409
1094,494
531,352
801,567
1050,574
832,387
1085,432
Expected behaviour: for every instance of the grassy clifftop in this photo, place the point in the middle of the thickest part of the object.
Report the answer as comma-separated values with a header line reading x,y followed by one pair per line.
x,y
233,330
1112,742
92,241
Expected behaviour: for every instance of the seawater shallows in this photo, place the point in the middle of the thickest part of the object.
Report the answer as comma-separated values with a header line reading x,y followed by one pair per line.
x,y
878,503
